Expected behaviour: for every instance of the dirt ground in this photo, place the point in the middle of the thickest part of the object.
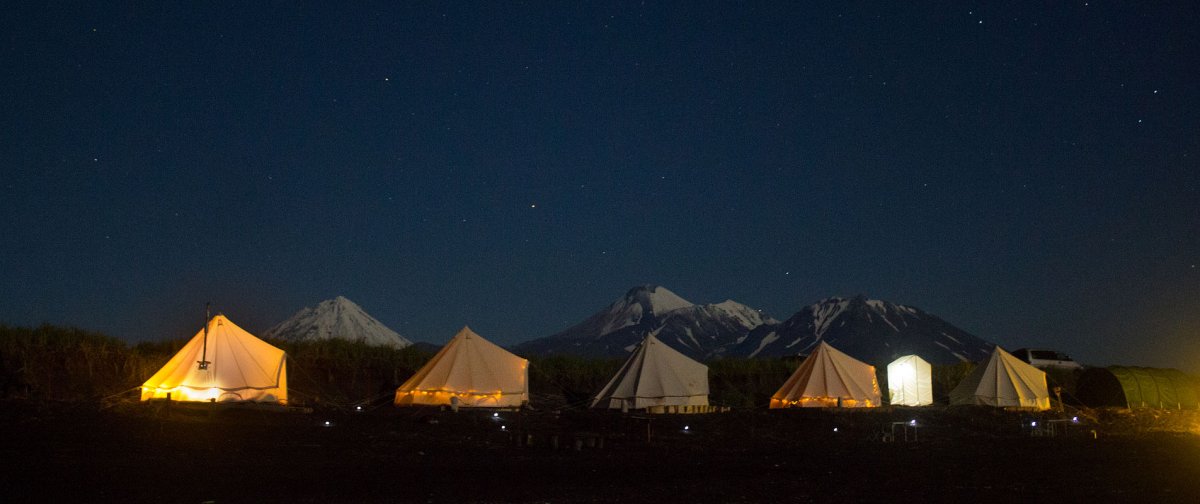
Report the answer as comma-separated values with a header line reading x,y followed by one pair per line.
x,y
140,453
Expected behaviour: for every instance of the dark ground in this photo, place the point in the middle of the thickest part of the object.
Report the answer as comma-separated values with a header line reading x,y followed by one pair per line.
x,y
139,453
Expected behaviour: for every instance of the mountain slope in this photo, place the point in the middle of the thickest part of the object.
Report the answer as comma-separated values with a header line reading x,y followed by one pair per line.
x,y
337,318
698,331
870,330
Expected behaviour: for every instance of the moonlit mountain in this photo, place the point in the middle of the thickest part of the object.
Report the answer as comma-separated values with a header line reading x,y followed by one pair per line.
x,y
870,330
699,331
337,318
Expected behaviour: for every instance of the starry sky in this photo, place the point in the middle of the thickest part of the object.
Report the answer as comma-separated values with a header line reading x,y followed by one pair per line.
x,y
1027,172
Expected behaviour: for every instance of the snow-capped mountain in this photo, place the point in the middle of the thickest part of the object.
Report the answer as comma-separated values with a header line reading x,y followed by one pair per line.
x,y
870,330
699,331
337,318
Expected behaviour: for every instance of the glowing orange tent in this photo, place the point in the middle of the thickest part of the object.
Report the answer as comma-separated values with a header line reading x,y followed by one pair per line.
x,y
472,371
241,368
829,378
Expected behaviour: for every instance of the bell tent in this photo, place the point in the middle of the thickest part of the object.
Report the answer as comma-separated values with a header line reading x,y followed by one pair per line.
x,y
222,363
1003,381
910,382
659,379
470,372
829,378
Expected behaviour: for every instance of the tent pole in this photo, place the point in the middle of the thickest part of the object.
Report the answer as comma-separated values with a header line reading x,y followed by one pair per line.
x,y
203,362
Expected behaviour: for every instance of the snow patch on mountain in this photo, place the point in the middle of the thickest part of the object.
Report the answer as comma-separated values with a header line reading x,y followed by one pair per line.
x,y
767,340
826,312
662,300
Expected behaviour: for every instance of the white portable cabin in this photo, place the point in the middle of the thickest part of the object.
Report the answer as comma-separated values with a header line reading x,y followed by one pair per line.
x,y
910,381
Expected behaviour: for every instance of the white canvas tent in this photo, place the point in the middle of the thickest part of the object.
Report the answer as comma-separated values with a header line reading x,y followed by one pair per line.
x,y
241,368
1003,381
659,379
910,381
829,378
469,371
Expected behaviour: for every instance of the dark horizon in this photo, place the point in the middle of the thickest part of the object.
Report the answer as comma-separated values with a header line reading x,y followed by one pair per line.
x,y
1026,173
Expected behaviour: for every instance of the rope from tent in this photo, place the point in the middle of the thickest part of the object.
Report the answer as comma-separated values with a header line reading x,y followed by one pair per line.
x,y
300,372
107,402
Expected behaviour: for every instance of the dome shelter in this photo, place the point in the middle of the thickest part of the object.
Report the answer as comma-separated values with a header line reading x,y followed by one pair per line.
x,y
1137,388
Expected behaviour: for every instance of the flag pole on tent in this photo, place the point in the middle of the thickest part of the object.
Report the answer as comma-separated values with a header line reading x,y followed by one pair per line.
x,y
203,362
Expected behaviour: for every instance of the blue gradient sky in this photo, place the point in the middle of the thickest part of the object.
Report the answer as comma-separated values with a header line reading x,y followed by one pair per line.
x,y
1028,173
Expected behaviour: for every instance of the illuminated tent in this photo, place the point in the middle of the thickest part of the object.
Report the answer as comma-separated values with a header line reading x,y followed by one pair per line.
x,y
1003,381
656,376
829,378
476,371
910,382
241,368
1137,387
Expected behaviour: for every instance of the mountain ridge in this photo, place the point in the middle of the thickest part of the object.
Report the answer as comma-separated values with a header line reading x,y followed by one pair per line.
x,y
872,330
696,330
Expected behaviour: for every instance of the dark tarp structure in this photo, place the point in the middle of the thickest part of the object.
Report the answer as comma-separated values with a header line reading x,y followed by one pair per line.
x,y
1137,387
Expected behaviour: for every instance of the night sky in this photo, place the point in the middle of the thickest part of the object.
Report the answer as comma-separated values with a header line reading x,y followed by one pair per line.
x,y
1028,173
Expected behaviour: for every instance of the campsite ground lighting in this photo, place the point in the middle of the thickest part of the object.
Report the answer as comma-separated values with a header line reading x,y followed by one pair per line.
x,y
835,429
913,422
327,423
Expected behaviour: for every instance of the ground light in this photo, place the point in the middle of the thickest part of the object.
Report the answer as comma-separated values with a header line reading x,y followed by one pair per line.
x,y
327,423
358,409
913,422
835,429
